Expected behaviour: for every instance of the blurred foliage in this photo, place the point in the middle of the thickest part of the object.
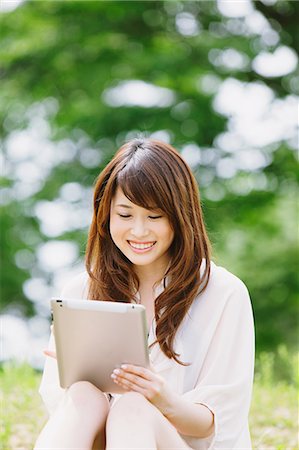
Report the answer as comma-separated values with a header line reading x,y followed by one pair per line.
x,y
66,54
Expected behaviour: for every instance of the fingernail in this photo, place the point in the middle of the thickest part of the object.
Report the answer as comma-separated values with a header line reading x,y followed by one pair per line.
x,y
116,371
123,366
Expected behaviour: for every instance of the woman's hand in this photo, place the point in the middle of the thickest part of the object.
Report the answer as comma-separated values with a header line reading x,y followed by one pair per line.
x,y
146,382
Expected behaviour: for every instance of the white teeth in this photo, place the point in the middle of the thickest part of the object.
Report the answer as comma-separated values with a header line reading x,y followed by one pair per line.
x,y
141,246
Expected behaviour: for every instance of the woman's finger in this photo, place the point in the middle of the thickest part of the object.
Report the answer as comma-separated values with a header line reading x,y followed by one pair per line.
x,y
50,353
142,372
130,385
130,379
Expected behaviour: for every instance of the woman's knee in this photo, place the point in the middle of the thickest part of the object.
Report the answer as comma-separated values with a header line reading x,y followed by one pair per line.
x,y
84,396
132,403
79,418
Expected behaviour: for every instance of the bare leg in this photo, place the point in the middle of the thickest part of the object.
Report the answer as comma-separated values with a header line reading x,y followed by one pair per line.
x,y
79,419
134,423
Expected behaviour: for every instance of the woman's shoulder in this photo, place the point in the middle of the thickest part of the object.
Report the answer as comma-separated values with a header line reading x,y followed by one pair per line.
x,y
224,291
224,277
225,283
76,287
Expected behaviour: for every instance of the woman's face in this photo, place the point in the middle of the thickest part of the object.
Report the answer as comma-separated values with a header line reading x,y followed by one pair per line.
x,y
143,236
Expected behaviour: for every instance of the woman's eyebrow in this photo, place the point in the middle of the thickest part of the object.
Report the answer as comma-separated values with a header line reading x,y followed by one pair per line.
x,y
124,206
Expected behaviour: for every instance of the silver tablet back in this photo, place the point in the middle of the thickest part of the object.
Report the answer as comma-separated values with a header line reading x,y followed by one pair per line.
x,y
94,337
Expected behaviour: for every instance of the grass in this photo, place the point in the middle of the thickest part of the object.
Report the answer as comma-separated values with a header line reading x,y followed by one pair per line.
x,y
22,412
273,414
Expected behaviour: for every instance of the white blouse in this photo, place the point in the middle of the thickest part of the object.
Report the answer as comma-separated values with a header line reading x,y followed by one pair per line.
x,y
217,338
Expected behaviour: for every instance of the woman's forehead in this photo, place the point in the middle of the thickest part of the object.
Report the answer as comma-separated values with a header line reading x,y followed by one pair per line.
x,y
119,197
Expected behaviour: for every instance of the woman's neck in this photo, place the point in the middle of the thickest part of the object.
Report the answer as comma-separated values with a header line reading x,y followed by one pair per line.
x,y
150,275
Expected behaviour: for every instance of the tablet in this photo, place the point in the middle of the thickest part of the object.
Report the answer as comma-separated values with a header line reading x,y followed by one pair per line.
x,y
94,337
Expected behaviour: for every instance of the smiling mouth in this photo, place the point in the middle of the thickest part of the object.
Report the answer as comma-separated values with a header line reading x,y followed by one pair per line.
x,y
142,246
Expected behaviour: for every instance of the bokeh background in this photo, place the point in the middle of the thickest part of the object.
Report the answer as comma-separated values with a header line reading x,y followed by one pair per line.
x,y
218,80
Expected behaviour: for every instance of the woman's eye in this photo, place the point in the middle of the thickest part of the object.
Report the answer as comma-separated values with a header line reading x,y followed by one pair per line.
x,y
127,216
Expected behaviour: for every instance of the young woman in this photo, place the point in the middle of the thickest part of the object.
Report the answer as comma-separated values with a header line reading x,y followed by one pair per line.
x,y
148,244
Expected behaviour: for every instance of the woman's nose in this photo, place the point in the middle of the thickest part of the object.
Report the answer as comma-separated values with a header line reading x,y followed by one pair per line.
x,y
139,229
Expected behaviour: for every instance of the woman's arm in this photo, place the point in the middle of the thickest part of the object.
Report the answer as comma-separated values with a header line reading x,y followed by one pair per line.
x,y
192,419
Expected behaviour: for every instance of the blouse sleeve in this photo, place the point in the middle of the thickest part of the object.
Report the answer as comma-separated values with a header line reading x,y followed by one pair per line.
x,y
226,379
50,389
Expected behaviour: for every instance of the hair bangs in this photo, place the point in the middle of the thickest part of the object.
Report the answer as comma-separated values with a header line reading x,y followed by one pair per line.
x,y
139,188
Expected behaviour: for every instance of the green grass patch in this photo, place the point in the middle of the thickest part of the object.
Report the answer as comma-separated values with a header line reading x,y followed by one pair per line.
x,y
273,414
22,411
274,409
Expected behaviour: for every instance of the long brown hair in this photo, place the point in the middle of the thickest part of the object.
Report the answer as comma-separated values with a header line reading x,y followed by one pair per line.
x,y
152,175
